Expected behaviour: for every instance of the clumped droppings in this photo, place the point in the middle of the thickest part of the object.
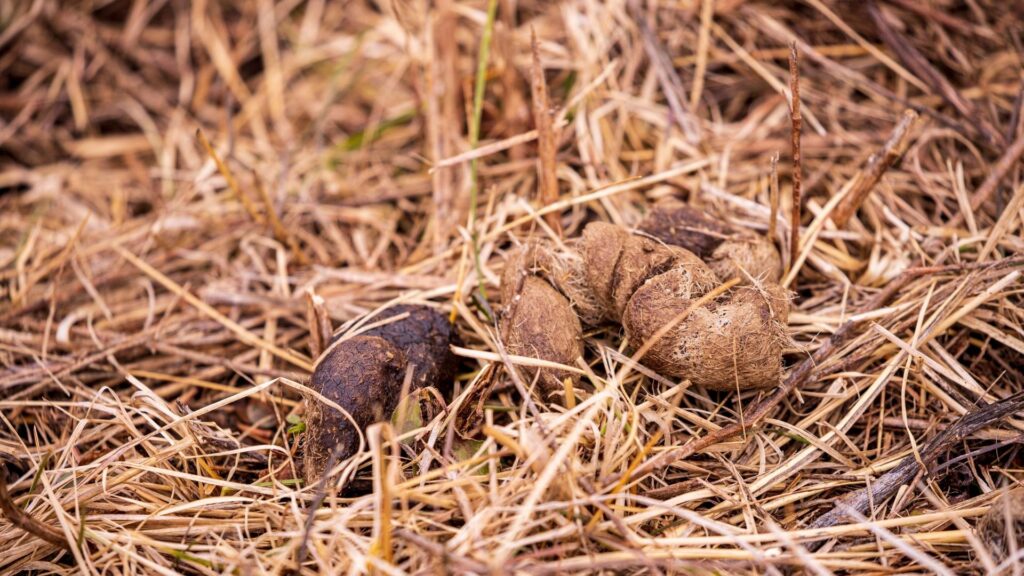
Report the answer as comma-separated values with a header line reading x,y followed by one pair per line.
x,y
365,374
734,341
1003,525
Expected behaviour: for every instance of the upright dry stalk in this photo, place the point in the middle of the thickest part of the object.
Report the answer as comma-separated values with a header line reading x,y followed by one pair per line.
x,y
320,329
383,470
795,120
707,10
546,138
773,197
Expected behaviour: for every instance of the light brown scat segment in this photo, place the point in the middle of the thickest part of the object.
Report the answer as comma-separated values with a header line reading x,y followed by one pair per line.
x,y
740,257
518,264
730,253
736,342
602,247
541,324
617,264
641,259
563,268
569,277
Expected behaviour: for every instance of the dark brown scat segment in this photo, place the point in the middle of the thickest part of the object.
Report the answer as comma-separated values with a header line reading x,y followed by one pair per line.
x,y
425,336
363,375
675,223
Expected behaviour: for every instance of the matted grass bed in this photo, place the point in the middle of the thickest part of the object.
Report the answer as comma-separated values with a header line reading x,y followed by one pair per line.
x,y
195,196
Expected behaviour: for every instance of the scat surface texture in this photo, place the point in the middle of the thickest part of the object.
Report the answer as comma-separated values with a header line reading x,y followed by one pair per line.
x,y
538,321
675,223
425,336
363,375
746,258
730,253
563,268
601,247
734,342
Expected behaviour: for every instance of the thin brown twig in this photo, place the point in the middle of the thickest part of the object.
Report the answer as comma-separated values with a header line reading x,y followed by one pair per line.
x,y
877,165
707,11
773,197
19,518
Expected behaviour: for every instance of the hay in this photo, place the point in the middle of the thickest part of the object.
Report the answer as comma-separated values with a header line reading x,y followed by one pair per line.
x,y
163,306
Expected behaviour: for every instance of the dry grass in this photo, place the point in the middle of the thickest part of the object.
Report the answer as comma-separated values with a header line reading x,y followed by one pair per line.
x,y
157,325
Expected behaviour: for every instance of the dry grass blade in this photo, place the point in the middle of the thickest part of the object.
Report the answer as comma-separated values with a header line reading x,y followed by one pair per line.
x,y
164,296
19,518
671,85
885,486
917,62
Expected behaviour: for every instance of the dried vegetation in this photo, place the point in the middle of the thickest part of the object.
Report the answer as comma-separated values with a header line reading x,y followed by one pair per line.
x,y
165,296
